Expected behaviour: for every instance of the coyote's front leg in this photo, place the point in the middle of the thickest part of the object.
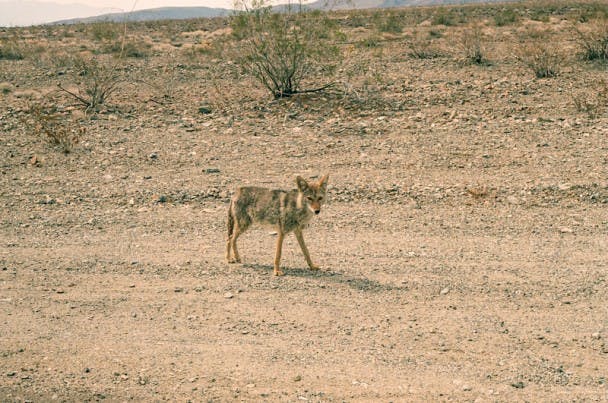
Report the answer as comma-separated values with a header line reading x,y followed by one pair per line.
x,y
300,238
277,256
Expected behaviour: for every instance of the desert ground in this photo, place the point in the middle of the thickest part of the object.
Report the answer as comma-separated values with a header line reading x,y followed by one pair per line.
x,y
463,246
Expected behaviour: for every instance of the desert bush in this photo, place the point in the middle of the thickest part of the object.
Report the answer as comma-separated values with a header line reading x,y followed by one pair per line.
x,y
11,49
420,48
104,31
370,42
281,50
473,48
5,88
96,81
443,17
392,23
594,43
505,17
129,48
593,102
541,58
55,126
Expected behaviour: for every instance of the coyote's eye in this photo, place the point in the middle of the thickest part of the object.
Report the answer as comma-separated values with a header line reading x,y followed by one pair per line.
x,y
320,198
309,198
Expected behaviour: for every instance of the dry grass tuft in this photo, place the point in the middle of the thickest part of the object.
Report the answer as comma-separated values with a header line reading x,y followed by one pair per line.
x,y
57,127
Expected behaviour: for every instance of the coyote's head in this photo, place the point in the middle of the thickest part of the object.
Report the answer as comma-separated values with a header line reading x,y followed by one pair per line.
x,y
312,194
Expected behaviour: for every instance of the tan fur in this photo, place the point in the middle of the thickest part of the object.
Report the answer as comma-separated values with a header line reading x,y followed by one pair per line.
x,y
287,211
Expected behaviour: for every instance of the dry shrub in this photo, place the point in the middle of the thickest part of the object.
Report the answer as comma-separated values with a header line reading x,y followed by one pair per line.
x,y
543,59
96,82
473,47
420,48
59,128
282,50
506,16
11,49
594,101
594,43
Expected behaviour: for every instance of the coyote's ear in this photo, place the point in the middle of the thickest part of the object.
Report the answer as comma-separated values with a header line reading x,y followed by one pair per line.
x,y
323,181
302,184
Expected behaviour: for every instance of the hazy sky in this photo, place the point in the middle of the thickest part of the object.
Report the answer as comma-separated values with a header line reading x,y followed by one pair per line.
x,y
27,12
141,4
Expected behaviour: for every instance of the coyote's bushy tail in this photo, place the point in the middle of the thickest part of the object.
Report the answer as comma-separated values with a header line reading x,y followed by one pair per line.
x,y
230,221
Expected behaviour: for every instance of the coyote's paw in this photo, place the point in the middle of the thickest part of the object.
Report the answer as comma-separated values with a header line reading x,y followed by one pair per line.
x,y
278,272
315,268
233,260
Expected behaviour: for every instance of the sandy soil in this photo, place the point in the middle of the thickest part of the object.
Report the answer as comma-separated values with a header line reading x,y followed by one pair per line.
x,y
463,248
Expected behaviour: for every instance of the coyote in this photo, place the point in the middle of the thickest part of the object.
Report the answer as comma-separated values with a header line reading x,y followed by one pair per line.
x,y
287,211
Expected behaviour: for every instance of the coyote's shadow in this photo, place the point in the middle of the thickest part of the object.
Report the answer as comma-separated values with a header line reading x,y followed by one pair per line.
x,y
355,282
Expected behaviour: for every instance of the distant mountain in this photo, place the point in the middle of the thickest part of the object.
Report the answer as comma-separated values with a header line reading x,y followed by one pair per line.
x,y
164,13
360,4
24,12
30,12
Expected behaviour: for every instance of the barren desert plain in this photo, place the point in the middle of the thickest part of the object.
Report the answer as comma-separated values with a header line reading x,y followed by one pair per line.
x,y
463,246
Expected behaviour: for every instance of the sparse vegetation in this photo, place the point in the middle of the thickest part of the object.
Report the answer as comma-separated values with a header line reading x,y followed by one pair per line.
x,y
56,126
594,101
392,23
96,82
420,48
473,48
11,49
505,17
466,233
594,41
281,50
543,59
443,16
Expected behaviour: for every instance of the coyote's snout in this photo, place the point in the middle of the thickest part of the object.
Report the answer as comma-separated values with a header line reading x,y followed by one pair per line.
x,y
287,211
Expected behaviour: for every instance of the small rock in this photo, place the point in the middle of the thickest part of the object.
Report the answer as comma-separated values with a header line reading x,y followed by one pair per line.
x,y
444,291
565,230
228,295
512,200
87,370
11,373
178,289
466,388
153,156
518,385
204,110
212,170
298,378
596,335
